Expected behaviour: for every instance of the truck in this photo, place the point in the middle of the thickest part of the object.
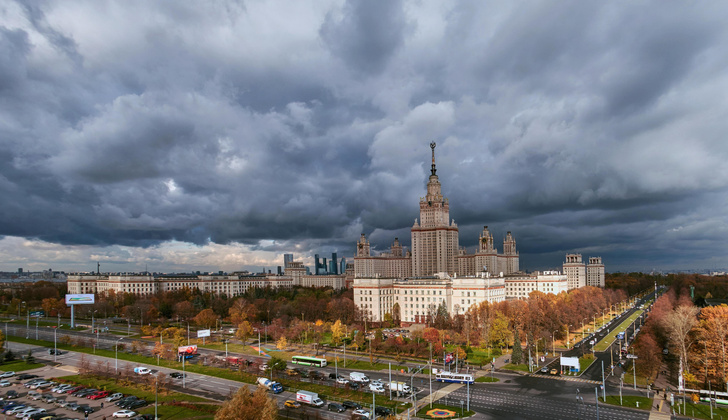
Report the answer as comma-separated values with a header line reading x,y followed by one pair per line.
x,y
400,387
310,398
358,377
266,383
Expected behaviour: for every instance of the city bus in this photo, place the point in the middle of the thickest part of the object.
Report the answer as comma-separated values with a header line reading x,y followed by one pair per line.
x,y
308,361
460,378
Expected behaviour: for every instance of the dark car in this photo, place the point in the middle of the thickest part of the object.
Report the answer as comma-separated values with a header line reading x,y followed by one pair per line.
x,y
301,372
73,406
126,400
144,417
54,351
332,375
314,374
351,404
85,409
24,376
336,407
353,385
177,375
11,394
382,411
137,404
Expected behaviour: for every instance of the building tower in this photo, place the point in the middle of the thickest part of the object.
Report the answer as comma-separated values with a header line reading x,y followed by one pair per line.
x,y
575,271
362,247
595,272
510,255
287,260
434,238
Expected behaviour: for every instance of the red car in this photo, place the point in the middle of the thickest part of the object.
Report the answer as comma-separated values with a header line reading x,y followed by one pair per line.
x,y
72,390
97,395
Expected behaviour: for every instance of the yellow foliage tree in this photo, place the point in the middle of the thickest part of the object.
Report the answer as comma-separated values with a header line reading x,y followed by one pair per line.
x,y
245,330
246,405
282,344
337,332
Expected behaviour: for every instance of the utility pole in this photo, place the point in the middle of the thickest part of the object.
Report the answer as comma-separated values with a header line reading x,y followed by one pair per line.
x,y
596,394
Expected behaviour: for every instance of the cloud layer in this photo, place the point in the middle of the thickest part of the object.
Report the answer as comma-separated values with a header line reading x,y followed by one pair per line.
x,y
142,133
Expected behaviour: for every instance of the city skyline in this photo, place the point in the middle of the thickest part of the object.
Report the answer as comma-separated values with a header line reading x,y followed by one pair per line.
x,y
176,138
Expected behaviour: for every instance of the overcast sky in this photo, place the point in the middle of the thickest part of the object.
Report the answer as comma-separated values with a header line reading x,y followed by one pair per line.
x,y
219,135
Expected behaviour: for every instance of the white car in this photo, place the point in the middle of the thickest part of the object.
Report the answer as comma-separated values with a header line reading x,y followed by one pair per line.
x,y
142,370
61,389
28,413
361,413
5,383
7,374
342,380
123,413
377,382
21,413
34,395
376,388
114,397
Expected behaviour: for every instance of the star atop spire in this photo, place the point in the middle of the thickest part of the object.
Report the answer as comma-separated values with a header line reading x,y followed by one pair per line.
x,y
432,146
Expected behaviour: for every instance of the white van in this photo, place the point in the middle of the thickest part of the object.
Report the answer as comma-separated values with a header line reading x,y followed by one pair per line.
x,y
358,377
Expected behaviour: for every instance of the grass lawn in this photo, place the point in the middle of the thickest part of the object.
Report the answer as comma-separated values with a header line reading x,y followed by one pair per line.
x,y
19,366
701,411
629,401
522,367
359,364
629,380
604,343
486,379
585,362
423,411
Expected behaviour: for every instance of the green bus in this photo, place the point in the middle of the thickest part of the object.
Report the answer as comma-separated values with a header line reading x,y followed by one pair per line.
x,y
308,361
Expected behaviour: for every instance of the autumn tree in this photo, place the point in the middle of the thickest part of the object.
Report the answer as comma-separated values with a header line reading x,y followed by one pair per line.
x,y
713,330
282,344
206,318
246,405
245,330
678,325
239,311
185,310
337,332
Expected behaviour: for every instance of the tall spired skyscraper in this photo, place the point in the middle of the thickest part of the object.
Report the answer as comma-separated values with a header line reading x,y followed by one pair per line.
x,y
434,237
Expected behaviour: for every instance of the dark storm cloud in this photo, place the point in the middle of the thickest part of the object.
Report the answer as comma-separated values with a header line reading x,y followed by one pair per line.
x,y
595,128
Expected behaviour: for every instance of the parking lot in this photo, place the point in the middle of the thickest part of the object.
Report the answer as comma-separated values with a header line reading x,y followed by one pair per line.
x,y
60,405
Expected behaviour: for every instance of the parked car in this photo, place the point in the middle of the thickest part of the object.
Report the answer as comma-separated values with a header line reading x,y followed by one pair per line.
x,y
351,404
125,400
48,398
9,374
342,380
353,385
85,409
12,394
360,414
24,376
73,406
34,395
98,394
336,407
123,413
114,397
5,383
137,404
382,411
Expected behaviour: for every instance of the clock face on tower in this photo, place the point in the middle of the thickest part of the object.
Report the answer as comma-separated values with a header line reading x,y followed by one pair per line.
x,y
485,240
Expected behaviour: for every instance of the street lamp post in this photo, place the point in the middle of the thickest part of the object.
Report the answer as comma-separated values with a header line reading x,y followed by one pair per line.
x,y
116,354
553,346
37,317
55,346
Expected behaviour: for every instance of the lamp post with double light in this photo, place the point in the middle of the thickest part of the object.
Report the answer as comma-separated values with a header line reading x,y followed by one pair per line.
x,y
116,354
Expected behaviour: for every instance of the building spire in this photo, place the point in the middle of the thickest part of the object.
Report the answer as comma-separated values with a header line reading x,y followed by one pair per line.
x,y
432,146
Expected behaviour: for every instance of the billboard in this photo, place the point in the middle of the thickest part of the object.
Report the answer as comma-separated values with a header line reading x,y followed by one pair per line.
x,y
79,299
203,333
187,349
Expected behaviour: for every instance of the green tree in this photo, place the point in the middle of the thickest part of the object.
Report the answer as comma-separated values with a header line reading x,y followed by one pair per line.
x,y
246,405
517,356
276,364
